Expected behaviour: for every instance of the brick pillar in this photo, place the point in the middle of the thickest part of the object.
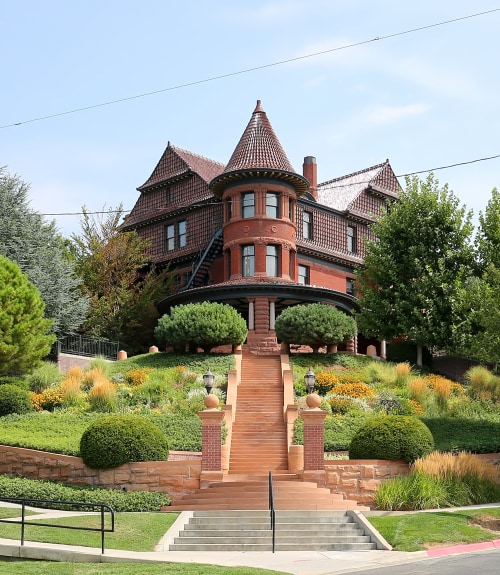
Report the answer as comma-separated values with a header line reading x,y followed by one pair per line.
x,y
314,440
211,450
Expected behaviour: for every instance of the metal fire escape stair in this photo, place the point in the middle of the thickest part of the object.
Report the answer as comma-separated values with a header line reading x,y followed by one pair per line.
x,y
202,263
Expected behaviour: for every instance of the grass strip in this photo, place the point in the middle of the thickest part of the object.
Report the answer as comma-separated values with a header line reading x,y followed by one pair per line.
x,y
419,531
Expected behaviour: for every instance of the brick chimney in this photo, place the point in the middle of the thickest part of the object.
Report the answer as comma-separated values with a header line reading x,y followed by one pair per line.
x,y
310,171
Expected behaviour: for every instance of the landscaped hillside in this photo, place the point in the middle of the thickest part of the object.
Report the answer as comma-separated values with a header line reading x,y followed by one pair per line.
x,y
168,390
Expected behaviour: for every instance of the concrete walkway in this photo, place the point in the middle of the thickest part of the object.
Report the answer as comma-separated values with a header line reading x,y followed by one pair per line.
x,y
293,562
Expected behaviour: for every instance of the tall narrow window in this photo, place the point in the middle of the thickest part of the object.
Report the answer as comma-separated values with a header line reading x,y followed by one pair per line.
x,y
307,225
350,287
248,261
168,195
182,233
170,237
351,239
291,210
272,261
248,205
272,205
228,263
229,209
303,275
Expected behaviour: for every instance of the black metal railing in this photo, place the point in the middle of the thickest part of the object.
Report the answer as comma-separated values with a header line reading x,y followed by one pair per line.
x,y
79,345
55,504
272,511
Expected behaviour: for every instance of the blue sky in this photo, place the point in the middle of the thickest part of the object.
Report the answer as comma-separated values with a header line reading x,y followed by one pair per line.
x,y
424,99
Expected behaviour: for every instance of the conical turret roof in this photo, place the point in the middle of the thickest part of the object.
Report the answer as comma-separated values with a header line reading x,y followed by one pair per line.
x,y
259,153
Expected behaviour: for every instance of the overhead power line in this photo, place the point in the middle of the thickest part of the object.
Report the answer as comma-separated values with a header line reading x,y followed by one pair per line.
x,y
336,186
248,70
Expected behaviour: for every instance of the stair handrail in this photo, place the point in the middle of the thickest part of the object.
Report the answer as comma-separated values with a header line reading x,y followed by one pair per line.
x,y
272,510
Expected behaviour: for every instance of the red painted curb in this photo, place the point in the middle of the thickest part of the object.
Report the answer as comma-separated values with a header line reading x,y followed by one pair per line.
x,y
439,552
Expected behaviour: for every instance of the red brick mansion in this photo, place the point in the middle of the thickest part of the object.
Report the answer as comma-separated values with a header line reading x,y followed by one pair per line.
x,y
256,234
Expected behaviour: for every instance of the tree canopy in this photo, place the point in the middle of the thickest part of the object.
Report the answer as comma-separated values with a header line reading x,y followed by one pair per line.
x,y
316,325
36,246
118,280
24,332
414,271
478,336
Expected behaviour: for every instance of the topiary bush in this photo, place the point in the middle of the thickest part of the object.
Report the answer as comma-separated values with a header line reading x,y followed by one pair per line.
x,y
392,437
205,325
13,399
117,439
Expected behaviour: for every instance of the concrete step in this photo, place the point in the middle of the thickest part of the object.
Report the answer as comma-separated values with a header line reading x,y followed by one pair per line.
x,y
220,530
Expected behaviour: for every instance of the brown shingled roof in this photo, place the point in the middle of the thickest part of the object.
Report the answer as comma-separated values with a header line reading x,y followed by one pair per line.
x,y
259,154
259,146
176,162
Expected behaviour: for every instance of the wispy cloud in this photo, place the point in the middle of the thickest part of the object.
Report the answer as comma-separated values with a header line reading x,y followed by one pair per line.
x,y
436,76
389,114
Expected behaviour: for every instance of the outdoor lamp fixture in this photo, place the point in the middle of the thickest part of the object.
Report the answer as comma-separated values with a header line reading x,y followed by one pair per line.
x,y
310,380
208,381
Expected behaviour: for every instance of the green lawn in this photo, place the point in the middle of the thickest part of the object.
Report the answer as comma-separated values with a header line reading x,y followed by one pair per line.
x,y
418,531
36,567
133,531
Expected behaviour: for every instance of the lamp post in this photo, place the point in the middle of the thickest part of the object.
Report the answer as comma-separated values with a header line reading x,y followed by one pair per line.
x,y
208,381
310,380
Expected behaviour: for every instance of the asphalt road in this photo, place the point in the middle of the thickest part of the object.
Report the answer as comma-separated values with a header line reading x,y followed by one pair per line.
x,y
478,563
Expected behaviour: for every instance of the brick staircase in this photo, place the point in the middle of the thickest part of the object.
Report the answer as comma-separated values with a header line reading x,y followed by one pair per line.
x,y
252,492
259,445
250,531
259,431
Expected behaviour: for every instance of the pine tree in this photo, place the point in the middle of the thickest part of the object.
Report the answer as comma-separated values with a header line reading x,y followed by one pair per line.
x,y
24,332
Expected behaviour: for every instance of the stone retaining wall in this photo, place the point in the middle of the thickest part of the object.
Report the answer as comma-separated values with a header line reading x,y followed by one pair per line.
x,y
356,479
172,477
359,479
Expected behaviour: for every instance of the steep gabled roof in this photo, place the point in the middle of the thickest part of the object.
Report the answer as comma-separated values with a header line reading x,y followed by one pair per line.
x,y
340,193
259,154
176,162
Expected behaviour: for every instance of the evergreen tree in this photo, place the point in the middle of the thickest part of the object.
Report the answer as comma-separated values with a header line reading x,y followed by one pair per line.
x,y
24,332
413,272
39,251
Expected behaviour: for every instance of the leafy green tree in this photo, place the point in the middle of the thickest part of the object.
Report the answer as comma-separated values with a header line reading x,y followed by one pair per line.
x,y
24,332
413,272
488,236
315,325
205,325
117,279
478,335
26,238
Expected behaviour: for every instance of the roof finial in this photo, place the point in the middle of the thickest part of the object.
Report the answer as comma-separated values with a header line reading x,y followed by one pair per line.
x,y
258,107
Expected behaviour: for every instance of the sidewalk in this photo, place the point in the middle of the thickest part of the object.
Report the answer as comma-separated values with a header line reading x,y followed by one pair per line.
x,y
293,562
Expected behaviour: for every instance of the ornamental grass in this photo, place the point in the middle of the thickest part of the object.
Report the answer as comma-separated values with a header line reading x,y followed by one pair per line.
x,y
103,395
460,466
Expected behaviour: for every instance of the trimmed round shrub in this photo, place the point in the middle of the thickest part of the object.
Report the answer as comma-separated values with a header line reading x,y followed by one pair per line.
x,y
13,399
117,439
392,437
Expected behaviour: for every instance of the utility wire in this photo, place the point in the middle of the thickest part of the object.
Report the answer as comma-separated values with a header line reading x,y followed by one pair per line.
x,y
248,70
331,187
